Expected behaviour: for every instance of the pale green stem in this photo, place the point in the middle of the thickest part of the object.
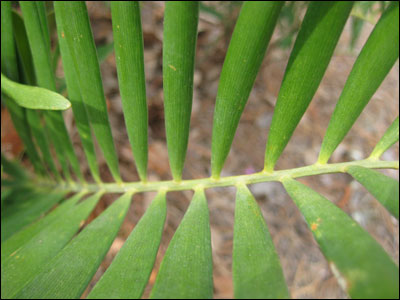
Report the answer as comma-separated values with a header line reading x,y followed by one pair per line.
x,y
315,169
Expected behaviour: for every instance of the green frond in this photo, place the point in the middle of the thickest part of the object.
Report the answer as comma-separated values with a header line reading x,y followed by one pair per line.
x,y
53,239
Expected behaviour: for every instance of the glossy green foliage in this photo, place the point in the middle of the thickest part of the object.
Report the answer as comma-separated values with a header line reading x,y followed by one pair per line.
x,y
128,41
257,272
50,249
39,41
26,209
78,107
308,61
9,68
22,45
246,51
377,57
103,52
33,97
79,39
11,202
362,267
8,55
38,36
28,75
68,274
186,269
130,270
390,137
383,188
27,233
29,260
179,48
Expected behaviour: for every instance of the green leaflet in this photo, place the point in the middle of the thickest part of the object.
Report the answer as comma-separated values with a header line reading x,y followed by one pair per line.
x,y
78,107
38,36
130,270
33,97
8,55
377,57
9,67
179,48
103,51
383,188
23,236
128,43
67,275
390,137
361,265
41,14
186,269
25,55
308,61
257,272
51,21
246,51
28,261
27,211
79,39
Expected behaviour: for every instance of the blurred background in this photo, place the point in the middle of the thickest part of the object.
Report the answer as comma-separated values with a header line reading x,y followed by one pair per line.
x,y
306,271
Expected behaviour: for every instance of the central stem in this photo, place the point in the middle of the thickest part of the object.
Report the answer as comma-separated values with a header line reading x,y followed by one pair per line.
x,y
210,182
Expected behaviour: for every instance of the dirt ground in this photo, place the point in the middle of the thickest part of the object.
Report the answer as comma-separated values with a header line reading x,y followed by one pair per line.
x,y
306,271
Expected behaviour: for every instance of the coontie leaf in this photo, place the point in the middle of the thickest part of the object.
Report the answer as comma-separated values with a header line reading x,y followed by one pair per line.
x,y
362,267
127,31
383,188
179,48
186,269
246,51
390,137
33,97
257,272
